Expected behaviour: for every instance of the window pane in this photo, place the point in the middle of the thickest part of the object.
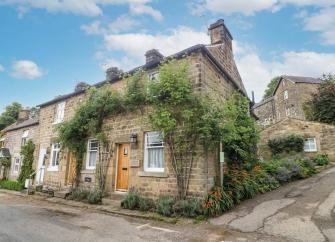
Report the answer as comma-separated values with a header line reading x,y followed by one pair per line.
x,y
155,157
92,159
154,139
94,145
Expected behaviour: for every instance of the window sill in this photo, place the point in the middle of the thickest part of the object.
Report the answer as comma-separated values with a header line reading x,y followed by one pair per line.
x,y
152,174
88,171
52,168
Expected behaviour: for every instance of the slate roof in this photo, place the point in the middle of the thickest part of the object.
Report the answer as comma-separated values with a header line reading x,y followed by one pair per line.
x,y
24,124
303,79
233,75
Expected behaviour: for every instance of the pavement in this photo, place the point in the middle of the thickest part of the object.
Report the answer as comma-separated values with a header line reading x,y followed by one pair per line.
x,y
301,211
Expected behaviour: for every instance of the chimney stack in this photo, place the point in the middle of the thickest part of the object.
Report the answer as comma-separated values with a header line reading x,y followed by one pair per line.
x,y
23,115
220,34
113,73
253,97
153,56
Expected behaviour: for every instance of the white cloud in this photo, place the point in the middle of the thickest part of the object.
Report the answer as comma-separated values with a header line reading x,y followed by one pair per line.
x,y
323,22
139,9
134,45
2,68
82,7
122,23
26,69
256,73
250,7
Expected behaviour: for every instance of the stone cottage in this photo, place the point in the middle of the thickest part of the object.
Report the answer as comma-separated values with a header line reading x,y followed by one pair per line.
x,y
138,155
288,99
16,135
319,137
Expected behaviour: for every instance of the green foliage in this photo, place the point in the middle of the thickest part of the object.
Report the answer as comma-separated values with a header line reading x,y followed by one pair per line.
x,y
83,194
27,152
136,91
10,115
217,202
239,131
322,106
11,185
271,87
321,159
190,208
146,204
131,200
5,162
290,143
164,206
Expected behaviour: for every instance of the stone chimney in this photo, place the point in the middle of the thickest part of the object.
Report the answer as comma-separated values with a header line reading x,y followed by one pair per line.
x,y
152,56
220,34
112,73
23,115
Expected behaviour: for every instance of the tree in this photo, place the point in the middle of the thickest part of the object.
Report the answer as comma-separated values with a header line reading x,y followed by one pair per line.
x,y
27,152
321,108
271,87
10,115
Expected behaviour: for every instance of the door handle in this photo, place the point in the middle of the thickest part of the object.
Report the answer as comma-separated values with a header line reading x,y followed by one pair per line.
x,y
124,169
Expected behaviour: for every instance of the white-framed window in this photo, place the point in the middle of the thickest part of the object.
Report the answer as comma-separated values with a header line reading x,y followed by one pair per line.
x,y
287,111
154,152
285,95
92,154
310,145
17,165
154,76
55,157
24,137
59,113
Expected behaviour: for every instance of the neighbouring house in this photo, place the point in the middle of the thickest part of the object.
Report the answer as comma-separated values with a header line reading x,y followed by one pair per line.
x,y
288,99
319,137
16,135
138,154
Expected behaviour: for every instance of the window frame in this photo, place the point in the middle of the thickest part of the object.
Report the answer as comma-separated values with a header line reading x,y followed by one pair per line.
x,y
55,167
309,145
146,149
59,113
18,165
153,76
88,153
24,137
285,94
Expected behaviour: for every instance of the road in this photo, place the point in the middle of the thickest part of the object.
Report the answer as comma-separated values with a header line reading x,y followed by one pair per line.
x,y
300,211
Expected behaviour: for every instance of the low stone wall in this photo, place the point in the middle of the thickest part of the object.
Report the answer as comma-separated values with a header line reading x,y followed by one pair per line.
x,y
323,133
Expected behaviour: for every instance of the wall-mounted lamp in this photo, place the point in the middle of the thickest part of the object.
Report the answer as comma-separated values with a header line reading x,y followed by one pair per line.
x,y
133,138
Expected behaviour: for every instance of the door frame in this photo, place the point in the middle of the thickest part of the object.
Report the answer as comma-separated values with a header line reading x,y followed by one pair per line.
x,y
40,179
117,167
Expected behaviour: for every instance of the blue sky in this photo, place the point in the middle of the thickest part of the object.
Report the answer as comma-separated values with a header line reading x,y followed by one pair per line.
x,y
47,46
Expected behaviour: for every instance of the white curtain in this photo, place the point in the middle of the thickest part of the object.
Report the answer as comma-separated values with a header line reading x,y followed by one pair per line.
x,y
155,157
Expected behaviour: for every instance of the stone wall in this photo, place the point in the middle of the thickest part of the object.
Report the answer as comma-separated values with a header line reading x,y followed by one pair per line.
x,y
13,141
324,134
266,113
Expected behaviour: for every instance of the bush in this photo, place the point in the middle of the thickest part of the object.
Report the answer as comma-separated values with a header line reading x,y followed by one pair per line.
x,y
217,202
291,143
11,185
146,204
321,159
85,195
164,206
131,200
94,197
188,208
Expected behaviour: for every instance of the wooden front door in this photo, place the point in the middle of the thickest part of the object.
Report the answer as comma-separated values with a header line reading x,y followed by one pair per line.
x,y
71,169
123,167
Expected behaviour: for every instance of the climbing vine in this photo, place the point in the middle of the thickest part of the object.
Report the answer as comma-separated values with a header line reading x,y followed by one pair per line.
x,y
27,152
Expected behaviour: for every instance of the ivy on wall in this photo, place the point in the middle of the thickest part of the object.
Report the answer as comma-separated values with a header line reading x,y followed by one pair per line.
x,y
27,152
